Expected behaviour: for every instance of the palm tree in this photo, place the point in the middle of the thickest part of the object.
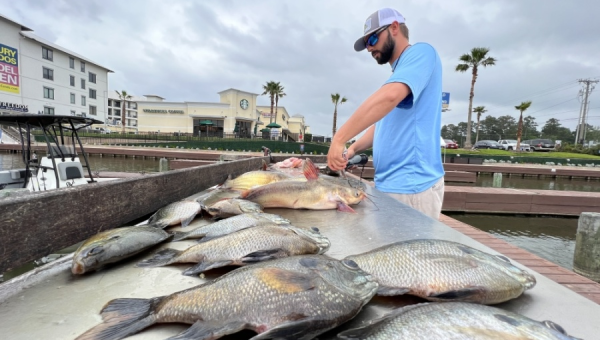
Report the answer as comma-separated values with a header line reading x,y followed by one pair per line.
x,y
479,110
335,99
124,98
524,106
278,94
478,57
270,89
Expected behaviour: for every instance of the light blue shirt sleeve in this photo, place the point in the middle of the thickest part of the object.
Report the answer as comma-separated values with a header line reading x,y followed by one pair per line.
x,y
414,69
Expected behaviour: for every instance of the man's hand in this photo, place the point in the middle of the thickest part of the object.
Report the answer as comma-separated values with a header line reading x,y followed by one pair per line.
x,y
335,158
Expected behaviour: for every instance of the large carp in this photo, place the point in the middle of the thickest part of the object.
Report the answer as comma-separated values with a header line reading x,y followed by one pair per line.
x,y
244,247
114,245
314,193
456,320
181,212
439,270
295,297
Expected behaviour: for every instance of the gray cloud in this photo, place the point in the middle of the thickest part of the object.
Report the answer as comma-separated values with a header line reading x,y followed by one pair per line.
x,y
190,50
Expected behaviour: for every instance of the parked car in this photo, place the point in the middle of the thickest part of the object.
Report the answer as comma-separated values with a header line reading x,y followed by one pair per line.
x,y
487,144
541,144
511,144
450,144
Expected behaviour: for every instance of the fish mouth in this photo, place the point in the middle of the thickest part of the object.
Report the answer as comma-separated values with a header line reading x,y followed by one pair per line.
x,y
530,280
77,268
323,245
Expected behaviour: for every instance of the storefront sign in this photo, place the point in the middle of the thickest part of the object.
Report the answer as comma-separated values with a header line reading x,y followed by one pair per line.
x,y
162,111
14,107
9,69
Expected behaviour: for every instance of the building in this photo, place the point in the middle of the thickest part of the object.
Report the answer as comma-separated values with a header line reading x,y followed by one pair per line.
x,y
38,76
235,115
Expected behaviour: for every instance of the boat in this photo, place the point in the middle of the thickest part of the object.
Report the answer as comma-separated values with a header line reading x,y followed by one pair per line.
x,y
61,166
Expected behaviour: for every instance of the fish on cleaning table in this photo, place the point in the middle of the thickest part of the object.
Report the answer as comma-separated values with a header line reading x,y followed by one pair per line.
x,y
456,320
114,245
231,207
296,297
244,247
314,193
439,270
253,179
230,225
181,212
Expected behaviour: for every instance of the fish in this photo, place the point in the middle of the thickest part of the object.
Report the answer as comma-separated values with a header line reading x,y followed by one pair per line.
x,y
253,179
216,195
181,212
298,297
231,207
230,225
314,193
244,247
456,320
114,245
440,270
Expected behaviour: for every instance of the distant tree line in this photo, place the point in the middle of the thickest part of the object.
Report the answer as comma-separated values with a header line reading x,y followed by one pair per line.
x,y
506,127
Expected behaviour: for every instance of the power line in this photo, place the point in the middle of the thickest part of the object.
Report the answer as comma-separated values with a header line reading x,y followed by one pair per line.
x,y
589,86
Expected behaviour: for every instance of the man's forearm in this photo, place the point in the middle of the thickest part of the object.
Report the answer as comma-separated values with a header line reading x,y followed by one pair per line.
x,y
365,142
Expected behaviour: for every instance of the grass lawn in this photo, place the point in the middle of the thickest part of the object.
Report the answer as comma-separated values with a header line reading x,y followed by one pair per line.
x,y
491,152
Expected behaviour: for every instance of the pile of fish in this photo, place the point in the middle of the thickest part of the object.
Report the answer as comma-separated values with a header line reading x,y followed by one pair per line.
x,y
291,288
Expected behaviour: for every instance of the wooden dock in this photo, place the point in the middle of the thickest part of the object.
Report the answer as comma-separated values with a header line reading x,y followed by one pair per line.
x,y
565,277
521,201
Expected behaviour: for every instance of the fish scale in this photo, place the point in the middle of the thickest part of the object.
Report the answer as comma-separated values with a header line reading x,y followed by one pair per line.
x,y
432,268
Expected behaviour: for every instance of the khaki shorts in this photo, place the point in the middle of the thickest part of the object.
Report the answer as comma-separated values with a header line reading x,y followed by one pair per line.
x,y
428,202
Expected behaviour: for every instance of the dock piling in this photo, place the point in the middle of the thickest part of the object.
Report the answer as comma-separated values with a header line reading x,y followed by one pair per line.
x,y
497,182
163,165
586,260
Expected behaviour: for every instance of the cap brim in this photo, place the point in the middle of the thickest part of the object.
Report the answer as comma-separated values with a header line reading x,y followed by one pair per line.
x,y
360,44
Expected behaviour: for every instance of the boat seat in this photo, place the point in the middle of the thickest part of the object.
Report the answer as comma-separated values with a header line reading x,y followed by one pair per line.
x,y
69,170
67,151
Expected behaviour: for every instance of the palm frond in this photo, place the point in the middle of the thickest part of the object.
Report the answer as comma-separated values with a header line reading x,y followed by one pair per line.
x,y
462,67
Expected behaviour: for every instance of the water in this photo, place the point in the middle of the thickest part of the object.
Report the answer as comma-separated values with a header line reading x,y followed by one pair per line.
x,y
116,164
551,238
516,182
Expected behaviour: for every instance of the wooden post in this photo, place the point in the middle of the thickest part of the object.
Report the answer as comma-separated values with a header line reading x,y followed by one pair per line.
x,y
497,181
586,261
163,165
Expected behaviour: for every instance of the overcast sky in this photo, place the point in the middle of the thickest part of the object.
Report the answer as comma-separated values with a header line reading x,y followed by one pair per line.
x,y
190,50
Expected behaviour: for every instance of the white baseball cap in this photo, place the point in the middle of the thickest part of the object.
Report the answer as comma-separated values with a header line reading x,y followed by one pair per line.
x,y
381,18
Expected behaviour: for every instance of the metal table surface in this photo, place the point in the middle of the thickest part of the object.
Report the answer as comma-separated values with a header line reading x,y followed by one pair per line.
x,y
57,305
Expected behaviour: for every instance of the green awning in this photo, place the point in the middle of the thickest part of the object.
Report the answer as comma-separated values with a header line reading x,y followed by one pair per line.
x,y
206,122
274,125
265,130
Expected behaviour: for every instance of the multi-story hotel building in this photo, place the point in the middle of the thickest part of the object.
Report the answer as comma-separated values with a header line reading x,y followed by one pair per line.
x,y
236,114
38,76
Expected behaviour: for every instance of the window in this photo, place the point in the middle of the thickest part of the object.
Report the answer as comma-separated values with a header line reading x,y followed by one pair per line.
x,y
47,53
92,110
48,110
48,93
48,73
92,77
117,112
83,83
82,66
72,80
72,62
73,112
92,95
83,101
110,112
83,114
72,98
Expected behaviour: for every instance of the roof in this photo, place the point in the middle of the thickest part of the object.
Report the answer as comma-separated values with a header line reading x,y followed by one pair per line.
x,y
153,95
45,120
41,40
232,89
298,115
24,28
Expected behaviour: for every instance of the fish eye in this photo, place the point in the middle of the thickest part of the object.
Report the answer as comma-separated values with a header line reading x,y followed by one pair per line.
x,y
315,229
356,194
94,251
350,264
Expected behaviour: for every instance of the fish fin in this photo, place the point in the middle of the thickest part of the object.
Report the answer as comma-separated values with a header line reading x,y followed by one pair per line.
x,y
508,319
289,330
161,258
179,236
363,331
465,294
187,221
286,281
310,170
204,266
341,206
159,225
208,238
356,333
123,317
227,183
264,255
392,291
201,330
245,193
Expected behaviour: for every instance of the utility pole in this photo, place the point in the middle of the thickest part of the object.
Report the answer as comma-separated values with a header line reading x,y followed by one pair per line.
x,y
581,127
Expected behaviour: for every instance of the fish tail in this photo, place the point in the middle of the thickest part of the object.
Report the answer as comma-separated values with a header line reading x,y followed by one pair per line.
x,y
161,258
179,235
122,318
228,182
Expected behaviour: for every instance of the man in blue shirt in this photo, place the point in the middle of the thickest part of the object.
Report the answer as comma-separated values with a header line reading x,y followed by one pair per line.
x,y
402,118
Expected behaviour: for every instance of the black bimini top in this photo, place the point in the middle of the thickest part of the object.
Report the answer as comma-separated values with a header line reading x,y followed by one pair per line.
x,y
47,120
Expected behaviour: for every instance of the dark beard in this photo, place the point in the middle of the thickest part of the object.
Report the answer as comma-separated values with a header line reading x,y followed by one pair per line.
x,y
386,52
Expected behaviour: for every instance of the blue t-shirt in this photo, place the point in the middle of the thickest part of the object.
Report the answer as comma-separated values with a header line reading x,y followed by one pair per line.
x,y
406,145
